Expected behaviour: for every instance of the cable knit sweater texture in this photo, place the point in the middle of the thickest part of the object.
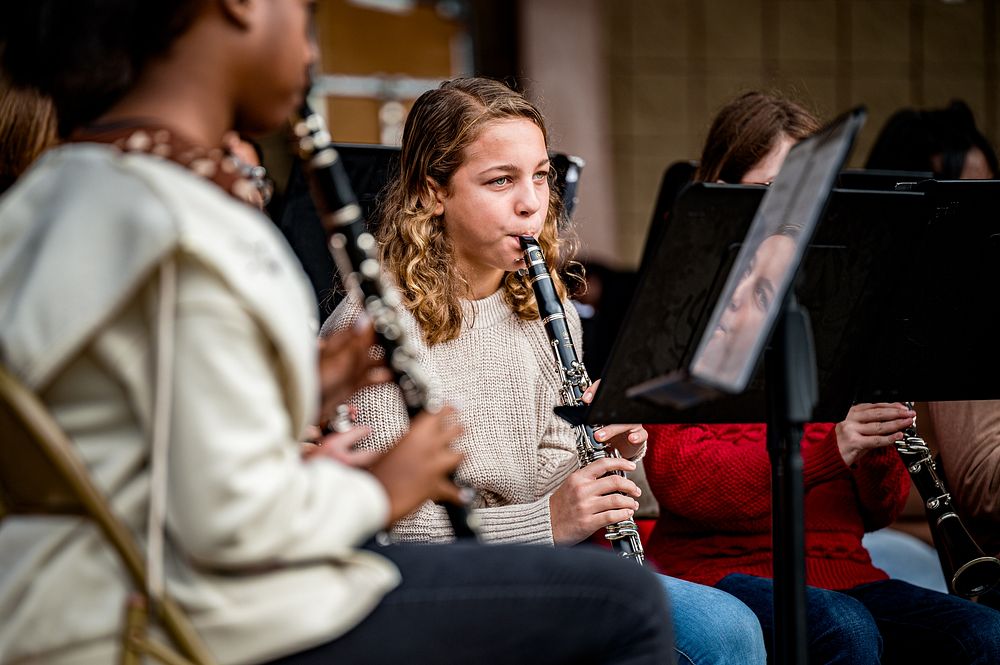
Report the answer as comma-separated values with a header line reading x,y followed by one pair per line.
x,y
713,485
501,373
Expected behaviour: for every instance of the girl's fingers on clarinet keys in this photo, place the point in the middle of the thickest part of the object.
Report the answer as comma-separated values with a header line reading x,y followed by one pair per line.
x,y
615,484
604,466
626,439
588,394
588,497
869,426
340,446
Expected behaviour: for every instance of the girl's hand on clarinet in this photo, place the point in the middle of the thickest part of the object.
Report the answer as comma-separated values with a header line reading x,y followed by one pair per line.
x,y
626,439
419,466
870,426
346,365
592,498
339,446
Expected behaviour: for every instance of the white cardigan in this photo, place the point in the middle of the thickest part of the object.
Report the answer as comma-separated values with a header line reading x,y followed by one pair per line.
x,y
81,239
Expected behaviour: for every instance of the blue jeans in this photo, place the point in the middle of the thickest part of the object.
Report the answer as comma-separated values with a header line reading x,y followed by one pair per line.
x,y
991,598
500,604
885,622
711,627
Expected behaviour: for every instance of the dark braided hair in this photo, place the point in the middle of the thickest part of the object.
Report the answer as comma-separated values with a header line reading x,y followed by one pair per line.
x,y
912,138
85,54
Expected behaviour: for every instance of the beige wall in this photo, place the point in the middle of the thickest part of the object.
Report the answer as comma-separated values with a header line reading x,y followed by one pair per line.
x,y
674,62
566,66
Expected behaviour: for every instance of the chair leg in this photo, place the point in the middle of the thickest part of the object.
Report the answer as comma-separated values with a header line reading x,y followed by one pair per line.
x,y
136,623
136,643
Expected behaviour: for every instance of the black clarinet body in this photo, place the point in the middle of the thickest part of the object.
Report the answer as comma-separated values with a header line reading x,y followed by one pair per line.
x,y
355,252
624,535
967,569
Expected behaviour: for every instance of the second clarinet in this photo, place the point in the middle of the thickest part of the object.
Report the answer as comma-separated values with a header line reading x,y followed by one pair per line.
x,y
624,535
967,569
354,251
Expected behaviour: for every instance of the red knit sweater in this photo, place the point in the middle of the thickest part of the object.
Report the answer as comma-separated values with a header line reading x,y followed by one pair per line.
x,y
713,484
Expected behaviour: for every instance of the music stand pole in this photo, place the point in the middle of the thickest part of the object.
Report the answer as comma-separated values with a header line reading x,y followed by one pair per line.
x,y
790,384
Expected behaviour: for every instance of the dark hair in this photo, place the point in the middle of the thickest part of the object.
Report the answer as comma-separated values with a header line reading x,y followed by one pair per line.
x,y
911,139
745,130
85,54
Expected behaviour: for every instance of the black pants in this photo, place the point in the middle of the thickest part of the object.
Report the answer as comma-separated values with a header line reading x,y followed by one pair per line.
x,y
508,604
991,598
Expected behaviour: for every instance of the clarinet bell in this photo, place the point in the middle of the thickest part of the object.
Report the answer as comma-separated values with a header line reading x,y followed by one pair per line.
x,y
976,577
968,571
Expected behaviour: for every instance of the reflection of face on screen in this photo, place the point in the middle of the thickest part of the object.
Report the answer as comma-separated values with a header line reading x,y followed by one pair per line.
x,y
746,313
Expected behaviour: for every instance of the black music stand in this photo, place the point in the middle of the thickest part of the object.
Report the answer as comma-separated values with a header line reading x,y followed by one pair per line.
x,y
567,183
837,283
675,178
786,220
368,168
881,180
939,343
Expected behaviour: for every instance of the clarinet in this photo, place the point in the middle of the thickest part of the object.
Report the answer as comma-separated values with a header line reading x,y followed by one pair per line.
x,y
624,535
968,571
354,251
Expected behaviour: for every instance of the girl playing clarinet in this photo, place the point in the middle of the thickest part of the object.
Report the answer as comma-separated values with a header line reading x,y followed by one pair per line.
x,y
474,176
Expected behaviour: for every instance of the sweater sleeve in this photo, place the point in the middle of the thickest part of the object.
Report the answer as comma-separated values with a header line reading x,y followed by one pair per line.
x,y
719,476
381,408
557,456
882,485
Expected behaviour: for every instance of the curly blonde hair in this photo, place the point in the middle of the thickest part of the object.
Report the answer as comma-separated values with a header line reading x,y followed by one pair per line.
x,y
414,247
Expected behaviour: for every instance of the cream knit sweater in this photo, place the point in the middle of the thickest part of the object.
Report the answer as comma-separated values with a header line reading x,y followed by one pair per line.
x,y
501,374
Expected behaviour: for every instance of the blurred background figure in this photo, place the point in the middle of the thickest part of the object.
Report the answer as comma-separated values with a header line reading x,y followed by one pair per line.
x,y
943,141
750,138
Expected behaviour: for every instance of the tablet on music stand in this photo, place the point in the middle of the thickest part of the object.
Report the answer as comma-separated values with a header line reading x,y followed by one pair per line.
x,y
762,273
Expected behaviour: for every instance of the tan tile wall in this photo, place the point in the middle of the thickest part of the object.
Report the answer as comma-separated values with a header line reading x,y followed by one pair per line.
x,y
674,62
